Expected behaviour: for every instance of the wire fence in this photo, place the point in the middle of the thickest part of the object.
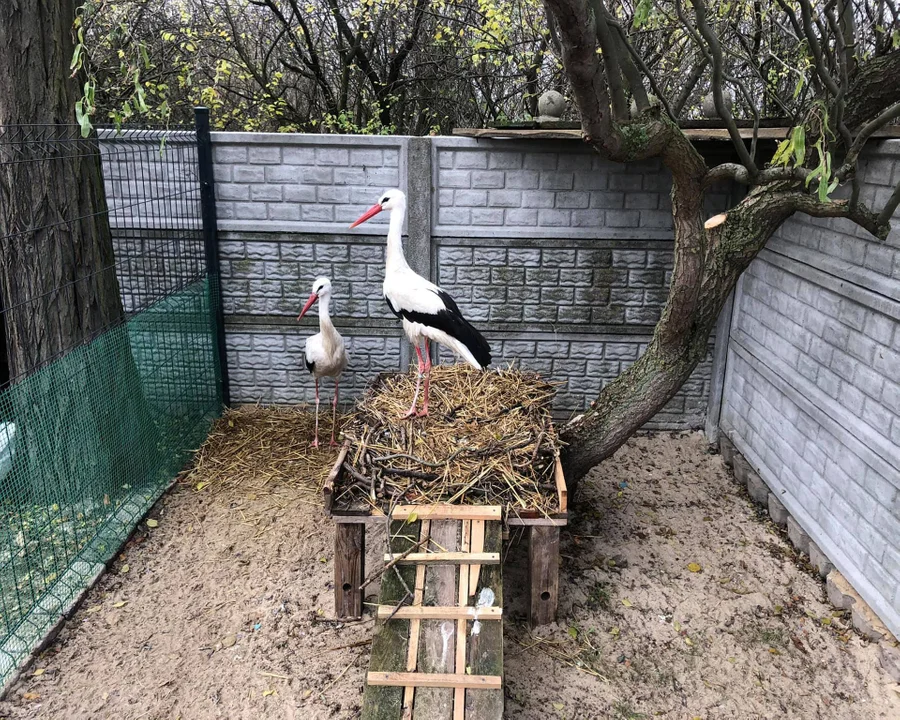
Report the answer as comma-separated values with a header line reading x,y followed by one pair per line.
x,y
110,373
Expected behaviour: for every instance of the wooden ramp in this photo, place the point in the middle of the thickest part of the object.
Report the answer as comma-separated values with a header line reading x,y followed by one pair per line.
x,y
438,648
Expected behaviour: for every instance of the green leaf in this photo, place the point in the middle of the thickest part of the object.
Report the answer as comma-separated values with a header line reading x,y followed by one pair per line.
x,y
783,153
573,631
798,141
642,12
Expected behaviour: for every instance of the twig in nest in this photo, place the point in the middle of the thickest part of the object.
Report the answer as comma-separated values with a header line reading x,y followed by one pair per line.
x,y
410,473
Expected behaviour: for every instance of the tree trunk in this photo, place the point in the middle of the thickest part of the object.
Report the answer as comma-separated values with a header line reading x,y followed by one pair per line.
x,y
708,264
56,257
82,423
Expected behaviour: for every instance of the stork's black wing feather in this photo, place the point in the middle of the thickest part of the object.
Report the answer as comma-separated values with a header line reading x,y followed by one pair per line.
x,y
310,366
452,322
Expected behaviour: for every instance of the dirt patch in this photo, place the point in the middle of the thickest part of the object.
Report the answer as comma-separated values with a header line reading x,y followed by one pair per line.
x,y
227,600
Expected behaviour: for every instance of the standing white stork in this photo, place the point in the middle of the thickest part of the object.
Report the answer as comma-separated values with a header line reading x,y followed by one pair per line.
x,y
427,312
324,352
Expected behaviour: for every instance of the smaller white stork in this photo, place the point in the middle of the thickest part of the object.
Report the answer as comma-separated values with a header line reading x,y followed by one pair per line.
x,y
324,352
426,311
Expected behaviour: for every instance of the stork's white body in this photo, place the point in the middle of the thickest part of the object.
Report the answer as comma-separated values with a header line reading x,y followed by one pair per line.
x,y
324,352
426,311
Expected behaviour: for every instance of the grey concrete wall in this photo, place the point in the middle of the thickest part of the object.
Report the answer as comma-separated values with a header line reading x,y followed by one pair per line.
x,y
812,388
561,259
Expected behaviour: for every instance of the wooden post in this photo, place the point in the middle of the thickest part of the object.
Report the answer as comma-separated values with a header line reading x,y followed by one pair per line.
x,y
543,574
349,569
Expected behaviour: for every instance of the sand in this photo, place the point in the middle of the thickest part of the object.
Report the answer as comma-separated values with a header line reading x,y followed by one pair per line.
x,y
678,600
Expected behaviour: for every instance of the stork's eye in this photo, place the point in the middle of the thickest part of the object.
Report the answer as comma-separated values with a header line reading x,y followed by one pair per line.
x,y
384,200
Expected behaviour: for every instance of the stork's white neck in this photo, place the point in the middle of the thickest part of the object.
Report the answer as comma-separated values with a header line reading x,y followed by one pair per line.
x,y
325,325
394,258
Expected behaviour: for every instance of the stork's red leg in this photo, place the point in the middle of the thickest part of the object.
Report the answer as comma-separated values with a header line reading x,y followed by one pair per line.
x,y
334,410
412,408
424,410
315,442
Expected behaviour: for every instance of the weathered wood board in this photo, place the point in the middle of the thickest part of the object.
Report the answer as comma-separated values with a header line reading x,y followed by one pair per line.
x,y
382,702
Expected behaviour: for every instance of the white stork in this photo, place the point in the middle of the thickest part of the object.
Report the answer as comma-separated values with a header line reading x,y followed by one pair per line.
x,y
324,352
427,312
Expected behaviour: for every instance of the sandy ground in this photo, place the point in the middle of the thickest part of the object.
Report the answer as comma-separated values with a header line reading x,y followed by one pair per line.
x,y
677,601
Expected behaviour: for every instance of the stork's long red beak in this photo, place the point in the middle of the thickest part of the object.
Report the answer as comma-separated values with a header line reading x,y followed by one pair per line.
x,y
312,298
370,213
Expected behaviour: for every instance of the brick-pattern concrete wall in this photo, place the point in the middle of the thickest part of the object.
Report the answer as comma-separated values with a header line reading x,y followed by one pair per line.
x,y
561,259
812,389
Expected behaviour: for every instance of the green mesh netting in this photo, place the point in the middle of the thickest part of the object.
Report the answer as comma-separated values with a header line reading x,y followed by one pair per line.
x,y
87,445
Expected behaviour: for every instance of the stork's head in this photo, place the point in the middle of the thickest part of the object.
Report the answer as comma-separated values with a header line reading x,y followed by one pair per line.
x,y
321,289
388,200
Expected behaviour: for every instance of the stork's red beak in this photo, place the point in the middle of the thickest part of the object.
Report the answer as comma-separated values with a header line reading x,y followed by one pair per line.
x,y
312,298
370,213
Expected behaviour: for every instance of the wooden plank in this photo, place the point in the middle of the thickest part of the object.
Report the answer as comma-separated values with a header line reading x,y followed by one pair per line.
x,y
718,134
562,492
328,487
444,558
477,546
532,522
485,651
435,680
449,512
389,645
543,574
349,569
437,646
459,694
412,653
438,612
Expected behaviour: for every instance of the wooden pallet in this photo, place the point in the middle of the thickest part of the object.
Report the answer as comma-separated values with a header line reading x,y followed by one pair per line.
x,y
426,660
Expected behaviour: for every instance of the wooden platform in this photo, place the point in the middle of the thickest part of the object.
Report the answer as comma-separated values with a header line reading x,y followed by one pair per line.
x,y
543,545
437,653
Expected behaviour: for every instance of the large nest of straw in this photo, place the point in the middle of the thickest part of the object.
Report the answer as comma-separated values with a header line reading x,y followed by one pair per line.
x,y
488,440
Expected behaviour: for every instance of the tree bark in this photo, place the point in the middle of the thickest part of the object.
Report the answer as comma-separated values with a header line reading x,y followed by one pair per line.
x,y
56,257
83,427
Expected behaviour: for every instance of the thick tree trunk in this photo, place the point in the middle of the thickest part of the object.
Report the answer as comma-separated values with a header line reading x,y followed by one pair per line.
x,y
56,258
83,428
708,264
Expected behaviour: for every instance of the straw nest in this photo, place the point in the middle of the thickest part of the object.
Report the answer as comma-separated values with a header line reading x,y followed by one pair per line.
x,y
252,449
488,440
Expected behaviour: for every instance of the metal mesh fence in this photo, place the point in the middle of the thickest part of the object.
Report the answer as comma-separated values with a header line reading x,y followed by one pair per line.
x,y
110,375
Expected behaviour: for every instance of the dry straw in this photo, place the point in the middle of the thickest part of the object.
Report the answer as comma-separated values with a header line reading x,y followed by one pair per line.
x,y
489,439
253,449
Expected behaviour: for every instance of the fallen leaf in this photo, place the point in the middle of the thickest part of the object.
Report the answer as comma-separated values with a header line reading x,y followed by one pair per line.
x,y
688,641
268,692
412,518
307,693
323,560
826,621
31,696
124,569
228,641
695,567
202,484
677,626
106,499
774,651
573,631
778,609
95,608
558,705
39,671
151,523
121,603
626,602
614,631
